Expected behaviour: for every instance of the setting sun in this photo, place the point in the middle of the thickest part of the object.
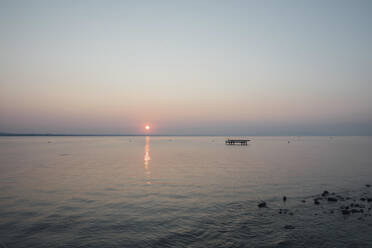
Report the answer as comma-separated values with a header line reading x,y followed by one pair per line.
x,y
147,127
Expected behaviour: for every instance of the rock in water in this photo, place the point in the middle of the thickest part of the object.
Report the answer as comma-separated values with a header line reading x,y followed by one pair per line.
x,y
332,199
284,198
262,204
289,227
325,193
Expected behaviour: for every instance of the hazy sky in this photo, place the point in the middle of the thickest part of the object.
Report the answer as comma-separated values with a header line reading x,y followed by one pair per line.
x,y
186,67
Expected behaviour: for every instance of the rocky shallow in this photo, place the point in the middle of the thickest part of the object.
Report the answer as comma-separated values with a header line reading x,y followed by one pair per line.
x,y
354,204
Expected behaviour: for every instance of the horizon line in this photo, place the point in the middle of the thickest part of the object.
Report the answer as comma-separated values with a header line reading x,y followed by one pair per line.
x,y
128,135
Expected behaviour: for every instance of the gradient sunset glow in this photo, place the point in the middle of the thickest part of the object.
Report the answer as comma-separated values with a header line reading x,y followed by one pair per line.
x,y
191,67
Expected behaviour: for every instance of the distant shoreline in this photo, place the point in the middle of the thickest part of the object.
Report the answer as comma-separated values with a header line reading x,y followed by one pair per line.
x,y
181,135
47,134
100,135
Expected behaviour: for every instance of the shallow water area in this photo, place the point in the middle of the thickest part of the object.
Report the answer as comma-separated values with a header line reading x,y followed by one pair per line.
x,y
181,191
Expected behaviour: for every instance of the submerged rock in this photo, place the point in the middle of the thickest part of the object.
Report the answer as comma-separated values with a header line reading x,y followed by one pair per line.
x,y
368,185
345,211
262,204
285,243
283,211
332,199
289,227
316,202
340,198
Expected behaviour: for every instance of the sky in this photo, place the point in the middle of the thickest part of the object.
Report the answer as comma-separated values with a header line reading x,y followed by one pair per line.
x,y
186,67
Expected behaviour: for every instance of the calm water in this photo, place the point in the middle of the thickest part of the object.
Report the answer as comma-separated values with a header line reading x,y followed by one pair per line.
x,y
178,191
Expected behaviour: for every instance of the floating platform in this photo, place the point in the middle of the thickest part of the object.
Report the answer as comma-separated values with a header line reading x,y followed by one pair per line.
x,y
242,142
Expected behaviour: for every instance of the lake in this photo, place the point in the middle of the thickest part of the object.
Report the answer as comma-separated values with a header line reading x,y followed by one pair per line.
x,y
163,191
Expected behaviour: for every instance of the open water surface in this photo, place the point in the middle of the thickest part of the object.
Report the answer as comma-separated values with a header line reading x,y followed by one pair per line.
x,y
181,191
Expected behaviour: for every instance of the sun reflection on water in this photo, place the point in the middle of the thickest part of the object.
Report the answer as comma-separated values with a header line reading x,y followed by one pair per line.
x,y
147,159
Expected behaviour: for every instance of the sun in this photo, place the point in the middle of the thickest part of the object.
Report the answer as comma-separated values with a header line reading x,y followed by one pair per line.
x,y
147,127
